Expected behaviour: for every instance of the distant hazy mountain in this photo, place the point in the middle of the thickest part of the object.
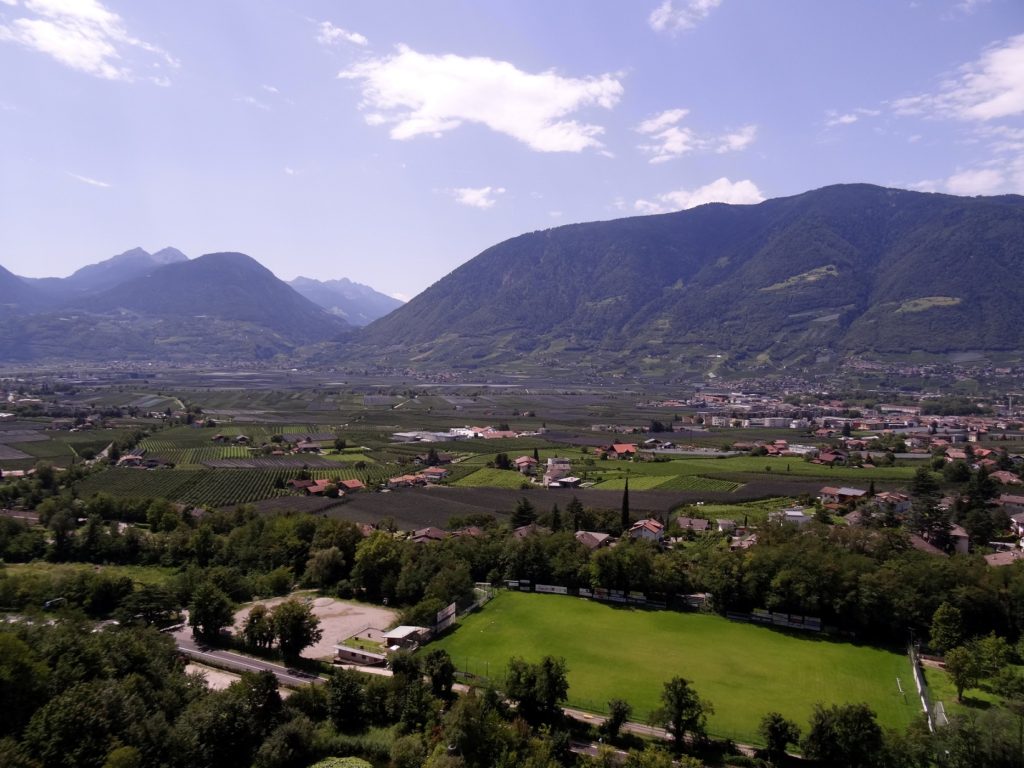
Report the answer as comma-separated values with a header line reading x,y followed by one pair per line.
x,y
791,281
223,306
358,304
17,294
105,274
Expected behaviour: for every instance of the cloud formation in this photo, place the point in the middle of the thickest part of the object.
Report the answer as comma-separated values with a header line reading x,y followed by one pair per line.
x,y
328,34
89,180
83,35
477,197
989,88
419,94
667,140
721,190
676,15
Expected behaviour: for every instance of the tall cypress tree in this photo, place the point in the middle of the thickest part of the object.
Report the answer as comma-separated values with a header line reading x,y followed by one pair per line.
x,y
625,507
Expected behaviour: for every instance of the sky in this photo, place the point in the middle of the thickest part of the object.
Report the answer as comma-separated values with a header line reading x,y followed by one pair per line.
x,y
390,141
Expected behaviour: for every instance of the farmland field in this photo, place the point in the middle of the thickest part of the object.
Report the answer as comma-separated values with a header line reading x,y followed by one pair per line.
x,y
742,669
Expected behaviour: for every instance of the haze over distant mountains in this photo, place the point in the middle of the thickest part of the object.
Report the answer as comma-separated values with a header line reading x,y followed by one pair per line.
x,y
793,282
139,305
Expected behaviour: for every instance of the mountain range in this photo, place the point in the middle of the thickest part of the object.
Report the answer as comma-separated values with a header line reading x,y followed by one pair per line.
x,y
847,269
792,282
137,305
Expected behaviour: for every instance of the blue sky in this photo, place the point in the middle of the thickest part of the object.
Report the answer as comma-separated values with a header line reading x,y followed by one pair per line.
x,y
389,142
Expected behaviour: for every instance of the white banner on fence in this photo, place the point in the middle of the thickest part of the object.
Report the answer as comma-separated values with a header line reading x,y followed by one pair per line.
x,y
550,589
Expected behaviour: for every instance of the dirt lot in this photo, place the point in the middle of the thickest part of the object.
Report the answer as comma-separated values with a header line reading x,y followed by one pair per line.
x,y
216,679
338,620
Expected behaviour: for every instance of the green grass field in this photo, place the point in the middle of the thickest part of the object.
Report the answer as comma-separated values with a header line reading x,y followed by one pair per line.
x,y
742,669
140,574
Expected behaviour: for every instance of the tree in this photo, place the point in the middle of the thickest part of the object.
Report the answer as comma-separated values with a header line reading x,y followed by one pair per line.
x,y
556,518
339,444
346,702
574,510
438,666
258,630
619,712
624,522
964,669
537,689
947,628
536,456
844,736
325,567
778,733
295,626
683,712
925,516
846,429
210,610
524,513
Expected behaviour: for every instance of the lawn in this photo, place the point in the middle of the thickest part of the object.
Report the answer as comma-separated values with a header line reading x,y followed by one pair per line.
x,y
742,669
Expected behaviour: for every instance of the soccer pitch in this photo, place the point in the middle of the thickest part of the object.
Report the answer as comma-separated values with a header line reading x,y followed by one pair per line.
x,y
742,669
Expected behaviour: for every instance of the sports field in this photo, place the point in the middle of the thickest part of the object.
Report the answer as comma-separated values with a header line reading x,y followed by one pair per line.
x,y
744,670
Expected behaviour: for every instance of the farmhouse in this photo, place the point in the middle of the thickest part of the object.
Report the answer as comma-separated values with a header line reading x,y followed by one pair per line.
x,y
428,535
794,515
843,495
434,474
527,465
697,524
593,540
351,485
648,529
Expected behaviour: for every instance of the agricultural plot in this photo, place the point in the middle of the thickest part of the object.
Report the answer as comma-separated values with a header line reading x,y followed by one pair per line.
x,y
492,478
742,669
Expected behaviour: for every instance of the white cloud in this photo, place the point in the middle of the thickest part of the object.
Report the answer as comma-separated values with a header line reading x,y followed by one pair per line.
x,y
88,180
675,15
270,89
11,3
425,94
252,102
289,171
331,35
667,140
846,119
721,190
83,35
477,197
983,181
970,6
990,88
737,141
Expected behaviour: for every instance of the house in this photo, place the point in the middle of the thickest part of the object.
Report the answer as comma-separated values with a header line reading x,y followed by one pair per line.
x,y
219,438
557,467
892,502
648,529
434,474
623,450
843,495
567,482
795,515
593,540
530,530
405,481
1016,523
428,535
351,485
1011,504
406,637
831,457
1009,557
319,487
243,440
1006,478
725,526
307,447
527,465
301,485
961,541
695,524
